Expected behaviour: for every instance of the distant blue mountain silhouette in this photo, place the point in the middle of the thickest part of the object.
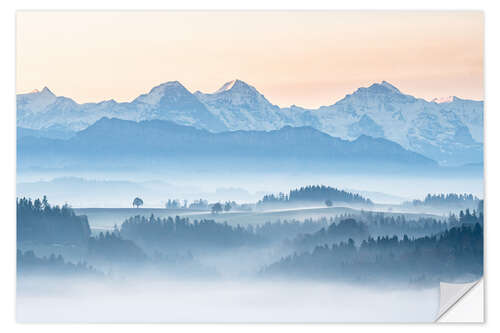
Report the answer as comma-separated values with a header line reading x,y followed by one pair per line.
x,y
116,142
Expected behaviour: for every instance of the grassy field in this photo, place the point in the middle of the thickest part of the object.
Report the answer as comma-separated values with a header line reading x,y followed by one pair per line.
x,y
106,218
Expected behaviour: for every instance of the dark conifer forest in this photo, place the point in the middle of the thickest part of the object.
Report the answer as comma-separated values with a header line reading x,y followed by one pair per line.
x,y
365,245
39,222
456,252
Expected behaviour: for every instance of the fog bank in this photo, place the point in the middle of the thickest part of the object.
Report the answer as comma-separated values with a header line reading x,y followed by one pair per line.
x,y
222,301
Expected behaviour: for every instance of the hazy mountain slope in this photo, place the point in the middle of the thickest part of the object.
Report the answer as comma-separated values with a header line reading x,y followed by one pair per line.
x,y
128,143
470,114
51,132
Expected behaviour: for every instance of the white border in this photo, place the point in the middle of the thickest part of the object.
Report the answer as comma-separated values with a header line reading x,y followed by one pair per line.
x,y
7,132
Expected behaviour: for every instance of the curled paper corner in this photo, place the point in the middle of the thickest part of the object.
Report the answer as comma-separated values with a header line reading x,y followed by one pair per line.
x,y
450,294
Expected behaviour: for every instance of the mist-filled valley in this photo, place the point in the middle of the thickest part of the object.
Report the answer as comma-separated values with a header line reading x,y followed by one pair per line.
x,y
311,254
159,222
223,207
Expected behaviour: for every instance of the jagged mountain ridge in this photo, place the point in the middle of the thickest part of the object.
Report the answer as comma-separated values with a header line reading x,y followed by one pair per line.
x,y
241,107
167,101
441,131
449,131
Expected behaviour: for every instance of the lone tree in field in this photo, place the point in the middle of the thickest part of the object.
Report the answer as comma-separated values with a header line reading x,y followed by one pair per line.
x,y
137,202
217,208
329,203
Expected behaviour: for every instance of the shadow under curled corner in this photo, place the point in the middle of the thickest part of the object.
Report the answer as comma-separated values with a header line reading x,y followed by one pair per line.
x,y
455,295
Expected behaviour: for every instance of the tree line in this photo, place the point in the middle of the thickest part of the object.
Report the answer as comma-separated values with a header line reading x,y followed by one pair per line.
x,y
315,193
180,234
39,222
449,199
371,224
139,239
454,253
42,224
29,263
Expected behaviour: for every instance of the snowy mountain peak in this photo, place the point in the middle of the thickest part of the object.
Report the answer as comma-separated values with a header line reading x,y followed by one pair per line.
x,y
45,92
173,88
36,102
440,100
390,86
234,85
169,84
382,88
226,86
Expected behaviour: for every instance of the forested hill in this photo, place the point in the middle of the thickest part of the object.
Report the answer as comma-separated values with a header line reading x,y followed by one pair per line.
x,y
455,253
315,193
59,228
449,199
39,222
361,226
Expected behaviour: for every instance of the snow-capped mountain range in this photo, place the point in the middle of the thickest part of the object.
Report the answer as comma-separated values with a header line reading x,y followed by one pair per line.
x,y
168,101
448,130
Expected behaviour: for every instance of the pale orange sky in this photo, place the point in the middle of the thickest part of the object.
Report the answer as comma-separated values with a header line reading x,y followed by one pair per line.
x,y
307,58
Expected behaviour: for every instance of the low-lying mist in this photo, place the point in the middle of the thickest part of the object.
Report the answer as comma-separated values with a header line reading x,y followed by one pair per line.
x,y
164,300
284,260
119,189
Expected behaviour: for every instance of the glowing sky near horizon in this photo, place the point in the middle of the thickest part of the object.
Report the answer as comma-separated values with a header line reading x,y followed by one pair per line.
x,y
307,58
